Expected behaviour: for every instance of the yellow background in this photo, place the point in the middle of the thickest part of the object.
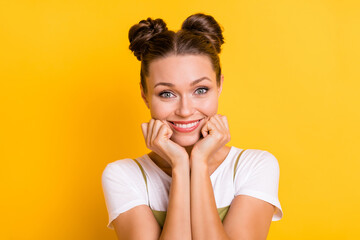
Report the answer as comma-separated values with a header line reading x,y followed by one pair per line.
x,y
70,103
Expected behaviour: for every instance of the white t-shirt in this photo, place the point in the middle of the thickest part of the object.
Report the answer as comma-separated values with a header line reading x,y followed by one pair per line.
x,y
257,175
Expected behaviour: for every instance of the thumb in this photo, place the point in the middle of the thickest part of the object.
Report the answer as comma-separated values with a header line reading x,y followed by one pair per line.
x,y
166,130
205,129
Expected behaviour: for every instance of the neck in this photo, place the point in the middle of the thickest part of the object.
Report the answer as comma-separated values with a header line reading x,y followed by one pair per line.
x,y
189,149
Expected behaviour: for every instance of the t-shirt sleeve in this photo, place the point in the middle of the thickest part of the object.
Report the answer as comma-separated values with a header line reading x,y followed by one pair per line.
x,y
124,188
258,177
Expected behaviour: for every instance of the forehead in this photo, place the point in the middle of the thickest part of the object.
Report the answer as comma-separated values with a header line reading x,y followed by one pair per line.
x,y
180,69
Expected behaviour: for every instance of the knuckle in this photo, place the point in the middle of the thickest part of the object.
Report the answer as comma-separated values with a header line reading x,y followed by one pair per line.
x,y
156,141
218,136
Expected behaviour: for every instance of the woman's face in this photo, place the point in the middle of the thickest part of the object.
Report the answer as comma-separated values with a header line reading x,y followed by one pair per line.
x,y
182,90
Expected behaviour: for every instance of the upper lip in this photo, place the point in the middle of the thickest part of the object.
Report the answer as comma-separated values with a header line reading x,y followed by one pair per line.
x,y
185,122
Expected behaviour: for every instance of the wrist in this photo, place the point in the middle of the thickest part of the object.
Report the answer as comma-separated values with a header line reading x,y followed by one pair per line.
x,y
200,163
182,166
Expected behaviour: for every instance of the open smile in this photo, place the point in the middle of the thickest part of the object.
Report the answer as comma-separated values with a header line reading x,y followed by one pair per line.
x,y
185,126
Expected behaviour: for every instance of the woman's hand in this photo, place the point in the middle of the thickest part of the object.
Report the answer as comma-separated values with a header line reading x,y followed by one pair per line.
x,y
216,134
157,135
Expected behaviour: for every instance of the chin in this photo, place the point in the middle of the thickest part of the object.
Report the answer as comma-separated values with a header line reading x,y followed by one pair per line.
x,y
185,141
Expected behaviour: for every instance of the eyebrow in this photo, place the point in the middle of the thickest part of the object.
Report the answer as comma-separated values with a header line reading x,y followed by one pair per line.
x,y
192,84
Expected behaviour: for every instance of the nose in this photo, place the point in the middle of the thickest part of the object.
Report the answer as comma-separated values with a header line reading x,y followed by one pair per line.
x,y
185,107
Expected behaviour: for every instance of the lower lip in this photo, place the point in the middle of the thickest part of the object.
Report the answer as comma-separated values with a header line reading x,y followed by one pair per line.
x,y
179,129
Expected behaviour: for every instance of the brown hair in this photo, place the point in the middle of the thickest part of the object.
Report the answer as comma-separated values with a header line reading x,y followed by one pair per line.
x,y
200,34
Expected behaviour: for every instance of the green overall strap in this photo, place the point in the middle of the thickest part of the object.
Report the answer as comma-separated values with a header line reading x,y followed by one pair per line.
x,y
144,176
159,215
236,163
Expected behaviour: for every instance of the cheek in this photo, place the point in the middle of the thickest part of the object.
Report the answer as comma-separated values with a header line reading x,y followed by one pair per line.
x,y
160,110
209,107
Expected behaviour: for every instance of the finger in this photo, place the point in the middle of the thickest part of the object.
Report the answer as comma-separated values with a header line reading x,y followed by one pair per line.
x,y
168,126
166,123
149,133
218,122
218,125
144,127
155,130
225,121
165,132
204,129
218,128
208,128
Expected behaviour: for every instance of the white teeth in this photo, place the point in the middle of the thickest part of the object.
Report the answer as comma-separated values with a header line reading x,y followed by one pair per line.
x,y
186,125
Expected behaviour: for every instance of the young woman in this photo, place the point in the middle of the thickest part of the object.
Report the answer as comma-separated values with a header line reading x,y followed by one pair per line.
x,y
191,185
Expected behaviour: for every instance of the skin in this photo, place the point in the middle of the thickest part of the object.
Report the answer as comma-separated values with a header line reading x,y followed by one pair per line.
x,y
183,88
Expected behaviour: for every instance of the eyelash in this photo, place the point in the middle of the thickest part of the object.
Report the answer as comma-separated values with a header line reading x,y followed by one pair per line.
x,y
201,88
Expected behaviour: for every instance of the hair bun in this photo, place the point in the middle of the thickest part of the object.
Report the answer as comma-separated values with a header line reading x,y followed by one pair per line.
x,y
141,33
208,26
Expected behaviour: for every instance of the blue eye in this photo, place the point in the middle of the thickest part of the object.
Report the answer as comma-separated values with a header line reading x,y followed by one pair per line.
x,y
202,90
165,94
